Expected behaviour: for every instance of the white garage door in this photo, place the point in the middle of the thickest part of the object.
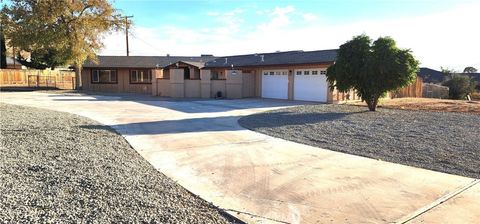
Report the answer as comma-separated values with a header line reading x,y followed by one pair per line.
x,y
310,85
275,84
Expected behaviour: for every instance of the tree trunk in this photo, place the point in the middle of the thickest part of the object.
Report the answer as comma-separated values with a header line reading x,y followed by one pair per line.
x,y
372,103
78,77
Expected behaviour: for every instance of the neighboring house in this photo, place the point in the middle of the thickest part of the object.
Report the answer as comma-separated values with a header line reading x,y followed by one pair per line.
x,y
13,63
292,75
437,77
431,76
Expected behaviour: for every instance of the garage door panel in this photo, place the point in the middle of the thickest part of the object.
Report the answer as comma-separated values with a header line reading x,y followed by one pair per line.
x,y
275,84
310,85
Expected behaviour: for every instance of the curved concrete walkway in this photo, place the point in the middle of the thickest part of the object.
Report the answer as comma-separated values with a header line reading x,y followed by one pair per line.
x,y
264,179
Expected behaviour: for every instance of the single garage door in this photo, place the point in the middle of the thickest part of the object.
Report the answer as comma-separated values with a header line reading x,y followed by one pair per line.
x,y
310,85
275,84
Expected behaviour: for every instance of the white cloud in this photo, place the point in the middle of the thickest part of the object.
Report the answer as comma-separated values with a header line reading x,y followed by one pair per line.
x,y
309,17
279,17
448,39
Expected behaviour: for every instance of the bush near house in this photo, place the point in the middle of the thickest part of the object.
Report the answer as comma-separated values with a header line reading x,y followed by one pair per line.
x,y
373,68
460,86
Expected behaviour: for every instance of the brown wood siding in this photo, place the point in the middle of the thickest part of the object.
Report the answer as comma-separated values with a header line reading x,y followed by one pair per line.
x,y
122,86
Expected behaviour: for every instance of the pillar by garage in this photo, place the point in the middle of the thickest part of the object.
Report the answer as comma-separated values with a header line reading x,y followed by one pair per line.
x,y
205,83
234,84
177,83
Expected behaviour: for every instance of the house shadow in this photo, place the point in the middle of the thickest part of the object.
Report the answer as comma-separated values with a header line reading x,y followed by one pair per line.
x,y
215,124
228,123
185,105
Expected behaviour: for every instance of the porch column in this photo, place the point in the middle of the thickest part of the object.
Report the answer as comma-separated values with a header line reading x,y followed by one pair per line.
x,y
205,83
177,83
156,73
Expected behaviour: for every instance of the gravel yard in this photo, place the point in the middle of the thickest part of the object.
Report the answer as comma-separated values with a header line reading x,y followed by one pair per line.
x,y
54,170
441,141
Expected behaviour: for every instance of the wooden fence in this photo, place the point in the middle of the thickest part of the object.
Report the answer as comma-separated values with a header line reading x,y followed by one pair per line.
x,y
37,78
413,90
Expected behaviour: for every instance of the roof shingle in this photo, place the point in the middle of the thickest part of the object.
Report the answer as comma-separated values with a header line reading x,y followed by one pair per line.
x,y
277,58
141,61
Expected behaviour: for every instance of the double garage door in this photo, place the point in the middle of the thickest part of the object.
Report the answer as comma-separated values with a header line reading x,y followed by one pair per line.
x,y
309,84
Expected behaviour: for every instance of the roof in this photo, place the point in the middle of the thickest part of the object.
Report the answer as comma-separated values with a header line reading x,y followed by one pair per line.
x,y
142,61
192,63
431,76
474,76
277,58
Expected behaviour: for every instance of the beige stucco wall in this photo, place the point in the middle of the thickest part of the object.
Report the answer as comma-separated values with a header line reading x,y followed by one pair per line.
x,y
234,84
192,88
218,85
163,87
205,84
177,83
248,84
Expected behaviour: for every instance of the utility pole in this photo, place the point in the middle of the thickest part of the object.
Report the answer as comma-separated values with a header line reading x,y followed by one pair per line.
x,y
126,31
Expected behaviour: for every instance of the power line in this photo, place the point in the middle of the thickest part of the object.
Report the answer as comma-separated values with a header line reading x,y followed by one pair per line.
x,y
145,42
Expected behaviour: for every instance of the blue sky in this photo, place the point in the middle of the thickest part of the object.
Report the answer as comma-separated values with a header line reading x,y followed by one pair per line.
x,y
184,13
440,33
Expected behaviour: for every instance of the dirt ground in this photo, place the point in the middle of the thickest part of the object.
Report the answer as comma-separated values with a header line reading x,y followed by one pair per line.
x,y
428,104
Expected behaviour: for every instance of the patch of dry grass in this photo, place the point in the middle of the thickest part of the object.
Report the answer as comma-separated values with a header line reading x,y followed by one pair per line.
x,y
428,104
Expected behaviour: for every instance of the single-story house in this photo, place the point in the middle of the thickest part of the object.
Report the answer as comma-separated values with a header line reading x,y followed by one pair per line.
x,y
131,74
292,75
13,63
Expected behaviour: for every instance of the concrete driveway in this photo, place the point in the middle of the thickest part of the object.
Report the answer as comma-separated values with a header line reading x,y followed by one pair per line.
x,y
264,179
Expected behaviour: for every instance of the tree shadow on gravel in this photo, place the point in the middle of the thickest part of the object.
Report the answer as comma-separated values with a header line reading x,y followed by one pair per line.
x,y
278,119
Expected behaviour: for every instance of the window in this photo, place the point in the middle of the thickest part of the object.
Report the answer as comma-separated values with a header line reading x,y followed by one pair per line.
x,y
214,75
306,72
265,73
277,73
141,76
284,73
272,73
314,72
186,73
323,72
299,72
104,76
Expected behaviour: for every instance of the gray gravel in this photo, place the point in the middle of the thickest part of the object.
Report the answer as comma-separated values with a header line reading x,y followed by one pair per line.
x,y
53,170
446,142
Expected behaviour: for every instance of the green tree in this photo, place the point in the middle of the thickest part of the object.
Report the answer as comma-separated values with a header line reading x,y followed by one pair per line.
x,y
72,30
49,58
460,86
470,70
372,69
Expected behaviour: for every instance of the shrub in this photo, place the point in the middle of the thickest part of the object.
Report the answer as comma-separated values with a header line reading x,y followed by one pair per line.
x,y
460,86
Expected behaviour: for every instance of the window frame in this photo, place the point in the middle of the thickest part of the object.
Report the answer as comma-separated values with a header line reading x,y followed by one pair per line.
x,y
97,70
146,72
